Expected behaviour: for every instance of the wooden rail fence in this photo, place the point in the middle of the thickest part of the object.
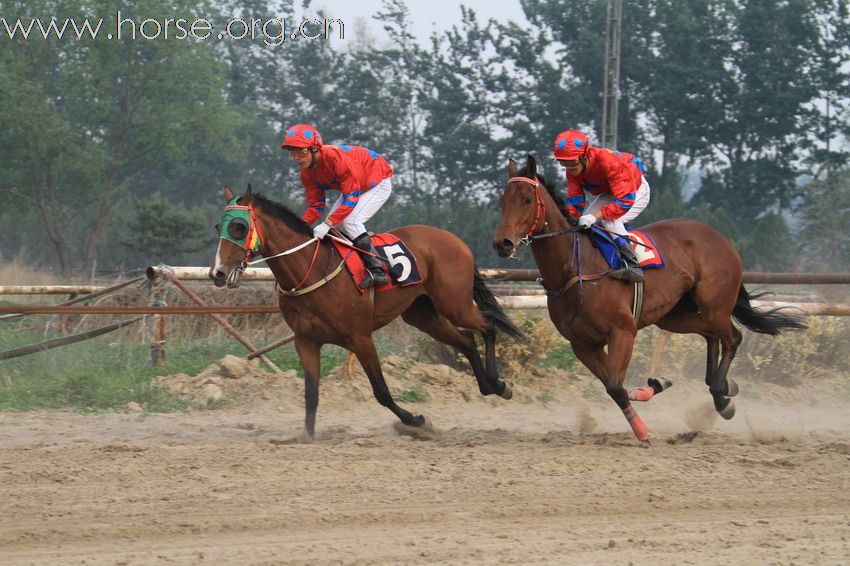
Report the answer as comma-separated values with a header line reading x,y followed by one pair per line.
x,y
161,275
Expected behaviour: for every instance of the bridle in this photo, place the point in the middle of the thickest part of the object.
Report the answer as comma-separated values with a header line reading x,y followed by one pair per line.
x,y
540,207
251,250
538,214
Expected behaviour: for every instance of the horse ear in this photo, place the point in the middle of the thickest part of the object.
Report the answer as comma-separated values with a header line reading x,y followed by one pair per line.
x,y
228,194
246,198
511,168
532,167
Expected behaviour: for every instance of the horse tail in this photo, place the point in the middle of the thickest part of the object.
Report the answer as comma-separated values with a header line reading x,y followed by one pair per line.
x,y
770,322
492,310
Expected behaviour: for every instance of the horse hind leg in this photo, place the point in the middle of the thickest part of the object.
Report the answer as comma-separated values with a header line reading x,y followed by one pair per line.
x,y
365,351
722,387
422,314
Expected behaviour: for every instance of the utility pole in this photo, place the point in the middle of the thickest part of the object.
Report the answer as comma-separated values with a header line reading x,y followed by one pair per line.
x,y
611,80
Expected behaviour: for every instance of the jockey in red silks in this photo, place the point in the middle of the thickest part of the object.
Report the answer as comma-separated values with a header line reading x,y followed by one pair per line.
x,y
360,175
616,179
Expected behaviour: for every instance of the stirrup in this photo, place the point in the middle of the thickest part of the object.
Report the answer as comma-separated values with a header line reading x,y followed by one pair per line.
x,y
373,280
628,273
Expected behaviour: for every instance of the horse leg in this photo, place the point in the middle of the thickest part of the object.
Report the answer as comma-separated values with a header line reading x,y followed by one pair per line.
x,y
364,349
611,368
504,387
423,315
721,387
309,354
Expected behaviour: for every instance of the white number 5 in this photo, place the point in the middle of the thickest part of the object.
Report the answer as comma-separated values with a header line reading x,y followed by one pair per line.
x,y
395,255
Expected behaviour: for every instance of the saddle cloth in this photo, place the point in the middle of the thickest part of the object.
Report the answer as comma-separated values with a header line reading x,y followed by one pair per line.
x,y
645,249
400,267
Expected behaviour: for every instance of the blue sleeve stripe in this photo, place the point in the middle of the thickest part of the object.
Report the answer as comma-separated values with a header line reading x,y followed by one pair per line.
x,y
636,160
351,203
625,204
575,200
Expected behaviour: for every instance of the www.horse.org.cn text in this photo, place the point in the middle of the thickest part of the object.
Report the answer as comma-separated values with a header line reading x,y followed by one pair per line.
x,y
271,31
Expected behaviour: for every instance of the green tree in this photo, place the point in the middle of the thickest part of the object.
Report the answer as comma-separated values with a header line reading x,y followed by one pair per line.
x,y
162,230
86,121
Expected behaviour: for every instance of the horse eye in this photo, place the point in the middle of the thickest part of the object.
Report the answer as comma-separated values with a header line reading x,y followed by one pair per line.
x,y
237,228
217,228
527,200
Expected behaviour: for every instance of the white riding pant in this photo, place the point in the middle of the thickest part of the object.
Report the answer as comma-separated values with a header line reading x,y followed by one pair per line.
x,y
617,225
367,205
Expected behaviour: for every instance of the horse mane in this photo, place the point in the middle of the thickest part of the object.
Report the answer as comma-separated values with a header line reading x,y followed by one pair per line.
x,y
282,213
559,200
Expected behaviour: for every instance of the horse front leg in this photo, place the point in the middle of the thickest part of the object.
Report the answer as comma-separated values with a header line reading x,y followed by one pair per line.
x,y
610,369
365,351
309,353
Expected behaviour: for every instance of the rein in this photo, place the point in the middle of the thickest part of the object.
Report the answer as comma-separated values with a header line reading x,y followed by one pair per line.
x,y
254,228
531,237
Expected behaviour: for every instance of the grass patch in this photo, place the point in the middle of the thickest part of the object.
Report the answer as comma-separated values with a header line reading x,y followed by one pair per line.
x,y
412,395
561,356
106,373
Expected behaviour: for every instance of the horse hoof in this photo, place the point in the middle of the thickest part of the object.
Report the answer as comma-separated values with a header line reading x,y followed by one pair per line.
x,y
725,407
422,429
659,384
509,389
731,387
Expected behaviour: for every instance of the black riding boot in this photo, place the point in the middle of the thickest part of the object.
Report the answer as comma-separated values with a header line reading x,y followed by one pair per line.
x,y
631,270
372,261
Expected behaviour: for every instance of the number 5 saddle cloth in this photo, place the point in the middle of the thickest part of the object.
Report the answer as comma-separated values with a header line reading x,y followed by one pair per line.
x,y
400,264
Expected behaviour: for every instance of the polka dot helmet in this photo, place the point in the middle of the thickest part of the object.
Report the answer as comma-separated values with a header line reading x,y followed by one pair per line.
x,y
571,144
301,135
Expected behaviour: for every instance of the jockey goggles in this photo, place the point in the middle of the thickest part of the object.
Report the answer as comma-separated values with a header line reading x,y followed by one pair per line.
x,y
238,227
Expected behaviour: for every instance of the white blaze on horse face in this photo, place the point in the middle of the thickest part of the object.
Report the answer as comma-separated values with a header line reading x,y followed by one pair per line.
x,y
218,266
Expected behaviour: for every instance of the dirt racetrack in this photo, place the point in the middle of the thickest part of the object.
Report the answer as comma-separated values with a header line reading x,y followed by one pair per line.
x,y
550,477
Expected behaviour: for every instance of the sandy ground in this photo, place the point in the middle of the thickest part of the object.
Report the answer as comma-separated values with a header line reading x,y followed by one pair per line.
x,y
550,477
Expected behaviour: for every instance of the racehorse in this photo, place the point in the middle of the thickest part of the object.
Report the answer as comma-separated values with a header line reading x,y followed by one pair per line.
x,y
699,291
321,307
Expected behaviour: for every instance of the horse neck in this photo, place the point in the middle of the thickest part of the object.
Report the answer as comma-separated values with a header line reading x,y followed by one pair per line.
x,y
291,269
554,255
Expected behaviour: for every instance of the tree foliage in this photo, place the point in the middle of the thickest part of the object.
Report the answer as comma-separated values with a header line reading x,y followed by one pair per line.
x,y
739,108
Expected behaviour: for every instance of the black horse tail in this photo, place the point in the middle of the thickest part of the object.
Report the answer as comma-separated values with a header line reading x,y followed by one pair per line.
x,y
492,311
764,322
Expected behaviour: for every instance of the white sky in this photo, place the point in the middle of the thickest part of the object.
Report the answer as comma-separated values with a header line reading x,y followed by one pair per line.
x,y
426,15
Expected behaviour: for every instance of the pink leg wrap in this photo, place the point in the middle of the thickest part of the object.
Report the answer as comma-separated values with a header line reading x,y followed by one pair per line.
x,y
637,424
641,394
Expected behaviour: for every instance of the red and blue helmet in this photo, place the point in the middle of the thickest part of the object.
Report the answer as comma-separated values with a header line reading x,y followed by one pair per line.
x,y
301,135
571,144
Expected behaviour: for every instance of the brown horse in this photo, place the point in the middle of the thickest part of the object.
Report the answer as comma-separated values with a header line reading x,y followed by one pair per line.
x,y
322,306
699,291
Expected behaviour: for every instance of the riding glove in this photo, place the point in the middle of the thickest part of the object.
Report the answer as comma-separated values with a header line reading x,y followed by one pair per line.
x,y
586,220
321,230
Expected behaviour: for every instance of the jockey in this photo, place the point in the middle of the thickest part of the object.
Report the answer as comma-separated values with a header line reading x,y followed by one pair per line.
x,y
360,175
616,179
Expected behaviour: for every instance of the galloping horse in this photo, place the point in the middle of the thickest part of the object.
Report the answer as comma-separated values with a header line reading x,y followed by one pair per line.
x,y
323,308
699,291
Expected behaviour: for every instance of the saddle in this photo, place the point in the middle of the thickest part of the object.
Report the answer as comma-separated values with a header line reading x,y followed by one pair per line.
x,y
647,253
398,262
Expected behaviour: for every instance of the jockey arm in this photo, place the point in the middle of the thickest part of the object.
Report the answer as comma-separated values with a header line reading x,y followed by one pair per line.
x,y
576,199
620,185
350,191
315,200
